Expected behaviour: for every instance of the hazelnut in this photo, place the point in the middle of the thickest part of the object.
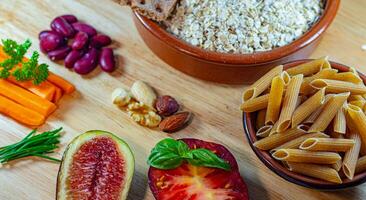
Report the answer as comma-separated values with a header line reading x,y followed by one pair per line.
x,y
166,105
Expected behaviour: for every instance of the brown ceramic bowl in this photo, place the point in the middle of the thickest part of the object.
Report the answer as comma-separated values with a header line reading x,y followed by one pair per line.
x,y
224,67
279,169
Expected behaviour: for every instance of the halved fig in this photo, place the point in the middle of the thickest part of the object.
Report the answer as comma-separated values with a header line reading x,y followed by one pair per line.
x,y
96,165
189,182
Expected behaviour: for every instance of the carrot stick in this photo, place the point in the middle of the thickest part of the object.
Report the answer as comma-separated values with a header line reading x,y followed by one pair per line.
x,y
20,113
45,90
66,86
57,96
26,98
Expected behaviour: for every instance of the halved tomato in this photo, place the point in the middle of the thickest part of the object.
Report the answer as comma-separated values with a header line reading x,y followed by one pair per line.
x,y
189,182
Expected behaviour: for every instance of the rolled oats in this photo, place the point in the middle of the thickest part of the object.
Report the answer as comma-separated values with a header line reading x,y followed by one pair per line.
x,y
243,26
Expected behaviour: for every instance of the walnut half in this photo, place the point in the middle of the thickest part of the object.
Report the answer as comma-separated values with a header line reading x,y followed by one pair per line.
x,y
143,114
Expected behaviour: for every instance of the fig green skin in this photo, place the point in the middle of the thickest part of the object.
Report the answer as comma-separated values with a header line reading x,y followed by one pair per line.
x,y
127,155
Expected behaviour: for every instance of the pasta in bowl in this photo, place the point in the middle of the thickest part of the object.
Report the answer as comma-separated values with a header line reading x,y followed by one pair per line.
x,y
306,121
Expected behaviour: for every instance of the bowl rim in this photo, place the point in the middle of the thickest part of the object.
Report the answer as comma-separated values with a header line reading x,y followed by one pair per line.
x,y
283,172
315,32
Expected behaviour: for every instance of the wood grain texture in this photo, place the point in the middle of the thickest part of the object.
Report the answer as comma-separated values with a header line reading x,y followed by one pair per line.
x,y
217,116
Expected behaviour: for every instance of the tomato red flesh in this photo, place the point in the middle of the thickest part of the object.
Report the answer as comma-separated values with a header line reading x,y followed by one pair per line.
x,y
189,182
97,171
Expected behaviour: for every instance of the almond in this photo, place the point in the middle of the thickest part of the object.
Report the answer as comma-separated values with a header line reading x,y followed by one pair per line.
x,y
175,122
142,92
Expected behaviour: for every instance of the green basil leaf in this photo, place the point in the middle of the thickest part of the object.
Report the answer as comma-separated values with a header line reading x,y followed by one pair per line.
x,y
183,149
206,158
165,160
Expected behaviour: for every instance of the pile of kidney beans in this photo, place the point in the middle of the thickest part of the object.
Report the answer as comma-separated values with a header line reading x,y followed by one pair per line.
x,y
78,44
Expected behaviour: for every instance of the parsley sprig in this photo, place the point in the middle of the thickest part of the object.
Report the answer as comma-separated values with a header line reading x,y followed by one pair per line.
x,y
170,154
30,69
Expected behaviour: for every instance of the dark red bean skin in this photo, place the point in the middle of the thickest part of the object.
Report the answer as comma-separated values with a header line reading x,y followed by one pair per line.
x,y
59,53
72,57
87,63
45,33
106,60
70,18
80,41
60,25
84,28
51,41
99,41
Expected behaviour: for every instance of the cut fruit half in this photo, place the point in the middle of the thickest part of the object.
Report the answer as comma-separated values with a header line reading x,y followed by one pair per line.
x,y
189,182
95,165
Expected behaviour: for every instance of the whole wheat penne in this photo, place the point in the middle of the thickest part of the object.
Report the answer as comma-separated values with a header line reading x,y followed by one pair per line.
x,y
285,77
308,68
347,77
337,166
354,71
274,129
339,122
308,107
264,131
351,156
358,119
327,144
278,139
334,134
316,171
359,103
255,104
335,86
289,102
329,111
295,143
361,165
275,100
260,121
306,87
356,98
303,156
311,119
352,128
262,84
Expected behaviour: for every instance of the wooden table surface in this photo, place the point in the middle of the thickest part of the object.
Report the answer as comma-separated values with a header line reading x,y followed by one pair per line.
x,y
217,117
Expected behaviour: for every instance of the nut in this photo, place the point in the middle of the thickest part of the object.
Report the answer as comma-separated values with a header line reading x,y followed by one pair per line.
x,y
166,105
175,122
121,97
143,114
143,93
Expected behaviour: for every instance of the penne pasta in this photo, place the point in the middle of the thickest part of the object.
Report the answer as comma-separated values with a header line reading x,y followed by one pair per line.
x,y
275,100
327,144
316,171
261,116
353,129
285,77
358,120
274,129
278,139
355,72
264,131
347,77
337,166
336,135
255,104
335,86
356,98
306,87
289,103
361,165
351,156
309,68
311,119
303,156
262,84
339,122
359,103
308,107
295,143
329,111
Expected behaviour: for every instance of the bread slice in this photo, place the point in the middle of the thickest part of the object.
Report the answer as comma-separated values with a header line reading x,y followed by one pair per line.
x,y
158,10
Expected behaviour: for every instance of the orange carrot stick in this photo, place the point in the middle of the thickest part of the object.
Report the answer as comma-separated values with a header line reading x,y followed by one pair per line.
x,y
20,113
26,98
66,86
57,96
45,90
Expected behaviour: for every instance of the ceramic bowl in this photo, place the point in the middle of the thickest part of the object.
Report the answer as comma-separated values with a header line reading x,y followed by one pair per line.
x,y
224,67
279,169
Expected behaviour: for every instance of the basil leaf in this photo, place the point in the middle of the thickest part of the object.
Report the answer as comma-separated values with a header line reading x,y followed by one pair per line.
x,y
206,158
165,160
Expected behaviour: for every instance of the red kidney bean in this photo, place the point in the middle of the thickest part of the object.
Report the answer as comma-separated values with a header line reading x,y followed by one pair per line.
x,y
87,63
72,57
60,25
59,53
84,28
70,18
99,41
50,41
80,41
106,60
45,33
